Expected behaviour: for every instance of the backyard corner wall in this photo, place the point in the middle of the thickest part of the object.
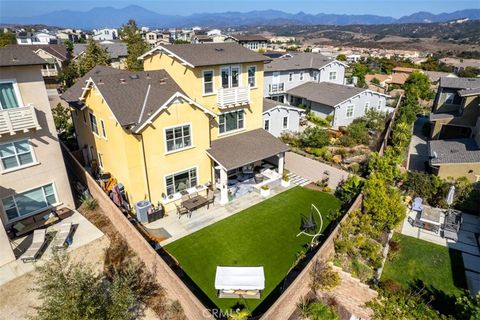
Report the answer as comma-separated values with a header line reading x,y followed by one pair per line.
x,y
286,303
174,287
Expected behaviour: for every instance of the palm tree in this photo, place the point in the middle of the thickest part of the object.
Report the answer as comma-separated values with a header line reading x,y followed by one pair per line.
x,y
302,306
320,311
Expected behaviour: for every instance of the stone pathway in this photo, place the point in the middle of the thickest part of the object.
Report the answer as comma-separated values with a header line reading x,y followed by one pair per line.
x,y
313,170
297,180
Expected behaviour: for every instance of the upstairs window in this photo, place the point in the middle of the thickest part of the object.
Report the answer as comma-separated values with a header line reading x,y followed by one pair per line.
x,y
301,75
8,97
285,122
379,106
16,154
332,75
349,111
231,121
315,75
266,125
207,82
178,138
367,106
93,123
104,132
290,76
230,76
251,76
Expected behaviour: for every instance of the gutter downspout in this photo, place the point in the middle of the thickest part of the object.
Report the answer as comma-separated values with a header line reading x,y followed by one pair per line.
x,y
145,166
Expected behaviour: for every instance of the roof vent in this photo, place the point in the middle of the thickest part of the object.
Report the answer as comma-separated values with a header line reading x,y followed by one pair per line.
x,y
219,49
454,150
100,81
435,155
163,80
148,76
134,76
122,80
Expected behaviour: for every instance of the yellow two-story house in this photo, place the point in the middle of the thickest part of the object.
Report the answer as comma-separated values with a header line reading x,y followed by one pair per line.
x,y
192,120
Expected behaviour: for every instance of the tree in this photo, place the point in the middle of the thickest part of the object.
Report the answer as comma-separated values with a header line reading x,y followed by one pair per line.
x,y
62,119
357,133
348,189
94,55
418,85
359,71
136,46
69,74
468,307
469,72
7,38
342,57
375,81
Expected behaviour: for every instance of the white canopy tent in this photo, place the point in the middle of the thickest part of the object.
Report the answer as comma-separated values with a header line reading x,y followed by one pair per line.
x,y
246,282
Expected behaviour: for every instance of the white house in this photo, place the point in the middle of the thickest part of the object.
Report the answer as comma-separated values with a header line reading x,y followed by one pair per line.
x,y
36,38
343,103
105,34
279,117
296,68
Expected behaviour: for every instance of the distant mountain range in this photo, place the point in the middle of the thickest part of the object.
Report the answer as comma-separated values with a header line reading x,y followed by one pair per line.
x,y
112,17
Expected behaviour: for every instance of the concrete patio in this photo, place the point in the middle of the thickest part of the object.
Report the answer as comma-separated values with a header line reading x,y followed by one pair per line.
x,y
83,233
203,217
467,243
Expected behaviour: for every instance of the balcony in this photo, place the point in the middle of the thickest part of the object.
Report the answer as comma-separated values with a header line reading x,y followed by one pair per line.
x,y
49,73
276,88
229,97
18,120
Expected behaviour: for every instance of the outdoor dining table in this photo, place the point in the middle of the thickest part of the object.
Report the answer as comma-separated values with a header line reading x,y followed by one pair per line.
x,y
194,203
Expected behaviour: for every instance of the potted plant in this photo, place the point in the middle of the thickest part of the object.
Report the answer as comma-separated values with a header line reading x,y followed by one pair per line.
x,y
285,181
265,190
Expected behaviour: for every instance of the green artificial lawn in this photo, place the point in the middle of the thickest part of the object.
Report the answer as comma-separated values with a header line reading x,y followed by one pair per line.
x,y
262,235
440,268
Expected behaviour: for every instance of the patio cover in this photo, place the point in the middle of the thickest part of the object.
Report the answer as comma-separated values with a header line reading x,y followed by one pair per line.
x,y
240,278
245,148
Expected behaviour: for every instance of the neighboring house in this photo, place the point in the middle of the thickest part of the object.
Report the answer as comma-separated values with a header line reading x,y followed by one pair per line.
x,y
279,118
32,172
456,108
434,76
460,64
388,79
26,38
343,103
155,38
105,34
116,50
191,120
252,42
296,68
352,58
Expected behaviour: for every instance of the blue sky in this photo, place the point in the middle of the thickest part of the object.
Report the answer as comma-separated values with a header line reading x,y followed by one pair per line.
x,y
394,8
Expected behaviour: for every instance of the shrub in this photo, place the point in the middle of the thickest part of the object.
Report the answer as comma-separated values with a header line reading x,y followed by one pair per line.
x,y
327,189
357,133
327,156
88,202
320,311
319,121
391,286
361,270
349,189
314,137
323,277
355,167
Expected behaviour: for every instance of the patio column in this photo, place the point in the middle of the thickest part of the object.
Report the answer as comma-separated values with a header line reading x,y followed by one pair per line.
x,y
6,252
223,186
281,160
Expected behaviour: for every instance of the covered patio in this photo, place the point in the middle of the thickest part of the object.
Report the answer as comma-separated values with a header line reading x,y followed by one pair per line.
x,y
247,162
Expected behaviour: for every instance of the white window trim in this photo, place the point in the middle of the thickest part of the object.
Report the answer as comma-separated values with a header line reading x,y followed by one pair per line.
x,y
177,172
56,204
353,111
290,76
264,124
367,106
229,67
302,76
254,76
288,122
191,146
213,83
90,124
33,163
103,129
231,131
16,89
330,75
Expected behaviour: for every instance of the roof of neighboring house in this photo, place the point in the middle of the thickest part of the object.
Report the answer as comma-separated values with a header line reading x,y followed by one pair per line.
x,y
453,151
269,104
469,92
399,78
127,92
380,77
245,148
59,51
404,69
459,83
326,93
115,49
210,54
18,56
249,37
435,76
298,60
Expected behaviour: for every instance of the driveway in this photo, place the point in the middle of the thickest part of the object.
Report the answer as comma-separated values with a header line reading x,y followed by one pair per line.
x,y
313,170
418,150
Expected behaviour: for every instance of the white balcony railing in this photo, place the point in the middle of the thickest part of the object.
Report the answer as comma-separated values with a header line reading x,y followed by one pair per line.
x,y
227,97
49,73
18,119
276,88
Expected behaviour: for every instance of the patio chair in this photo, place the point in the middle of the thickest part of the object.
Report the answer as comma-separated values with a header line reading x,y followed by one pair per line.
x,y
417,204
185,197
181,210
210,198
60,242
38,242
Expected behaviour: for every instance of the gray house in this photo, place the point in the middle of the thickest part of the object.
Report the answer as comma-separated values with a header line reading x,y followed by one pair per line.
x,y
279,117
344,103
296,68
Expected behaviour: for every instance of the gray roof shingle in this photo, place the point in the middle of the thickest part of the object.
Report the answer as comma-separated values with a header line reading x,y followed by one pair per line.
x,y
469,92
459,83
210,54
269,104
11,56
245,148
115,50
326,93
125,92
453,151
297,61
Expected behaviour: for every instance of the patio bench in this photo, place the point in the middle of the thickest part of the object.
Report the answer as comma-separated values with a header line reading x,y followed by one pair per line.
x,y
41,220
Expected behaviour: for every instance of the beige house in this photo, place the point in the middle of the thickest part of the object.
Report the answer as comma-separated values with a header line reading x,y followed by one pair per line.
x,y
33,178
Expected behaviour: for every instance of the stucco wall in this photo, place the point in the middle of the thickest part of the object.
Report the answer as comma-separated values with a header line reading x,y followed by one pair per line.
x,y
457,170
50,167
275,116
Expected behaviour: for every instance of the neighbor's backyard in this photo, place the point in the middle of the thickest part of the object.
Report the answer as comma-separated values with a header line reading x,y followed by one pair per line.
x,y
438,267
262,235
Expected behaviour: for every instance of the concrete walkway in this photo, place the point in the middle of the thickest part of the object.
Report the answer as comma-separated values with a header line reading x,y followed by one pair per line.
x,y
313,170
418,150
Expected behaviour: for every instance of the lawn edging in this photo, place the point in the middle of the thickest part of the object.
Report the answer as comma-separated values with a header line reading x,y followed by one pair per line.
x,y
285,305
